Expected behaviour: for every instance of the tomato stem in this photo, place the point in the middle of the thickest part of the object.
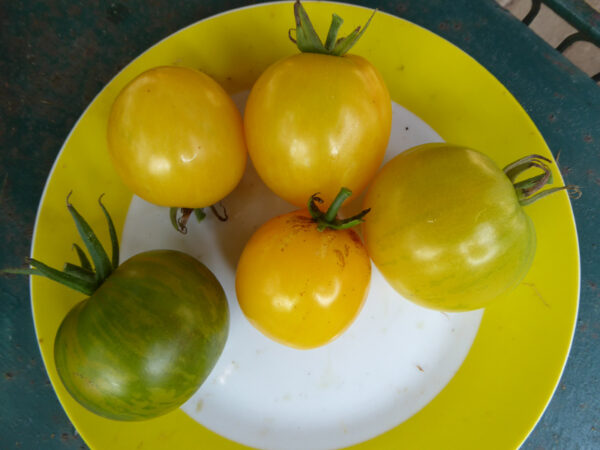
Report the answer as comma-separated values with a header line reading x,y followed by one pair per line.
x,y
83,259
574,192
329,219
334,28
102,264
331,213
80,272
200,214
114,240
222,217
514,169
530,189
307,40
180,223
83,278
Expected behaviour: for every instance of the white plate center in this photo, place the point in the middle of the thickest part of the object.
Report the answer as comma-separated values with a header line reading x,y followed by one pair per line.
x,y
393,360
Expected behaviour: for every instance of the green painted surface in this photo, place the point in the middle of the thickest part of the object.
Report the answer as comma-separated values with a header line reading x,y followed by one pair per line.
x,y
580,15
56,55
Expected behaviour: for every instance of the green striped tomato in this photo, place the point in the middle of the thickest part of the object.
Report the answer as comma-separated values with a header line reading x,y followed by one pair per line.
x,y
146,339
447,228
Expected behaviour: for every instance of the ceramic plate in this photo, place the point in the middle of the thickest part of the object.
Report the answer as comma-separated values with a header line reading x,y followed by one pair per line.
x,y
401,376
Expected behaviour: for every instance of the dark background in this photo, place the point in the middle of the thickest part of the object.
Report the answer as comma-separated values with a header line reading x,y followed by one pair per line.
x,y
56,55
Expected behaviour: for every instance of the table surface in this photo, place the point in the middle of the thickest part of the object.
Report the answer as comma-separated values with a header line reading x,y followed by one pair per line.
x,y
56,55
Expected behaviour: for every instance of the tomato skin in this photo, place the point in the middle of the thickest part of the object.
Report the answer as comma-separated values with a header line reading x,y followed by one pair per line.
x,y
145,341
176,138
299,286
315,123
446,228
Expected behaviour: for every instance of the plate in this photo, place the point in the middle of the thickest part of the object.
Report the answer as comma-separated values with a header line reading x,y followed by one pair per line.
x,y
364,383
401,375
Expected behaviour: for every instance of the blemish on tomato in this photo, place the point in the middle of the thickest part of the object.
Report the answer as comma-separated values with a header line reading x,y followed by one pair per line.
x,y
356,239
340,256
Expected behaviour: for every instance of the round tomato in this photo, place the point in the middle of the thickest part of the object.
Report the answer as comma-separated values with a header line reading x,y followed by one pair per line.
x,y
147,335
176,138
447,228
300,286
315,122
146,339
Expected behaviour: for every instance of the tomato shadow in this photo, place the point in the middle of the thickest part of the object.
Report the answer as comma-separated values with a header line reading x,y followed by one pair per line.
x,y
249,206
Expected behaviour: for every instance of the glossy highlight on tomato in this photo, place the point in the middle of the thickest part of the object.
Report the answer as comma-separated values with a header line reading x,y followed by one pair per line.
x,y
145,341
176,138
447,229
315,122
146,336
300,286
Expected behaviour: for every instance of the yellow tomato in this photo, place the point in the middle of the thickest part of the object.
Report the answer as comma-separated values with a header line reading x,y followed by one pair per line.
x,y
300,286
176,138
447,228
317,122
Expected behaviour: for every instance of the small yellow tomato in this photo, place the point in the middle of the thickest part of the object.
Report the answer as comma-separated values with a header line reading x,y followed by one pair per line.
x,y
318,120
300,286
176,138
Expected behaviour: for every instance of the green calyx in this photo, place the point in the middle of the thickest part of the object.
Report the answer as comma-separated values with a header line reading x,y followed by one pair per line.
x,y
84,278
329,219
530,189
181,216
308,40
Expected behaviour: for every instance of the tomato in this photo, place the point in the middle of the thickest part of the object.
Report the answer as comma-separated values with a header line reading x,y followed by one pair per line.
x,y
144,342
176,138
300,286
145,338
316,122
447,228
